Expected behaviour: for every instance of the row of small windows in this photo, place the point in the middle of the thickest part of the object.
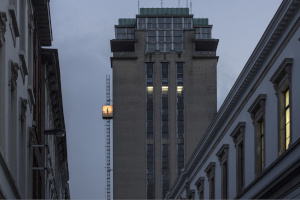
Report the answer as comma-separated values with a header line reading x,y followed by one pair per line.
x,y
162,35
257,112
164,23
165,125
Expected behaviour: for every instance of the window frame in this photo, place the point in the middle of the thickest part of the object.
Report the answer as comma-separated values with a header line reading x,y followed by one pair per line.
x,y
238,136
222,155
282,81
257,112
210,173
200,187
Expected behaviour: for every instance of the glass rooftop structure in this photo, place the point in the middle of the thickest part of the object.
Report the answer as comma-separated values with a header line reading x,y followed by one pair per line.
x,y
164,28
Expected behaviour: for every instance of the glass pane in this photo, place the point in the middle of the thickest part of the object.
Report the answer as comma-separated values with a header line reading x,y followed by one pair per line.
x,y
178,39
161,33
287,135
177,20
177,33
142,26
179,105
151,20
161,20
130,36
178,26
287,98
142,20
161,39
161,47
178,47
168,47
151,33
152,39
151,47
187,20
121,30
168,39
130,30
168,26
149,68
287,116
179,89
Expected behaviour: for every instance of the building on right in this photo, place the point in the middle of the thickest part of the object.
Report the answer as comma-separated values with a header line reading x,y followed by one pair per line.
x,y
251,150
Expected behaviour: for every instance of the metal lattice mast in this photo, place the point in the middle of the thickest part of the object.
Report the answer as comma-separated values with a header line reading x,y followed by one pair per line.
x,y
108,140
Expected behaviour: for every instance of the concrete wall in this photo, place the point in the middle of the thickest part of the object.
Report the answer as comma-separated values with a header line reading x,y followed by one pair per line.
x,y
129,100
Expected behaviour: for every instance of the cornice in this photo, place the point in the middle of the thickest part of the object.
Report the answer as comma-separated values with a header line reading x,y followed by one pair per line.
x,y
51,61
274,31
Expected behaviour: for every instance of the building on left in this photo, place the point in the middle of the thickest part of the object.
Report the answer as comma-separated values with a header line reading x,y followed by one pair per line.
x,y
33,146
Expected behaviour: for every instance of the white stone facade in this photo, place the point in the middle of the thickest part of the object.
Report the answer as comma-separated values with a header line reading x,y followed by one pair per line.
x,y
17,102
268,171
15,98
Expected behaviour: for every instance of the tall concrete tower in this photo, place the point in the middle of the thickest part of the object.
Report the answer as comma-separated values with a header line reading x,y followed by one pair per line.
x,y
164,95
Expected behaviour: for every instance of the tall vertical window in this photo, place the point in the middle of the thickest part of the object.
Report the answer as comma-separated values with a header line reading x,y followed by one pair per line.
x,y
257,112
210,172
262,143
200,187
287,118
190,194
150,134
241,166
238,139
223,159
165,127
282,83
180,117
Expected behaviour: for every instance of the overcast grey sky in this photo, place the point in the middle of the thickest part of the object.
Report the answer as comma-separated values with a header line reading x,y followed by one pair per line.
x,y
82,30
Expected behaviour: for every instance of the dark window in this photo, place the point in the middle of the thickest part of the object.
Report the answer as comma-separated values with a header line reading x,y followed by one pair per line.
x,y
257,112
238,139
241,166
210,172
223,158
149,114
150,135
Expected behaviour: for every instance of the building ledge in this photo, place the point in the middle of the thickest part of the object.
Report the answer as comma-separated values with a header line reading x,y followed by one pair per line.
x,y
122,45
206,44
124,54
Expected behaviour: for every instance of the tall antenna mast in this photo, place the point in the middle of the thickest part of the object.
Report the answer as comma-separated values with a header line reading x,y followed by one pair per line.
x,y
139,6
187,3
162,3
191,7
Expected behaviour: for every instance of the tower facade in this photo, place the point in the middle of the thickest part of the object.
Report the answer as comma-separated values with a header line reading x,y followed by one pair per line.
x,y
164,95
